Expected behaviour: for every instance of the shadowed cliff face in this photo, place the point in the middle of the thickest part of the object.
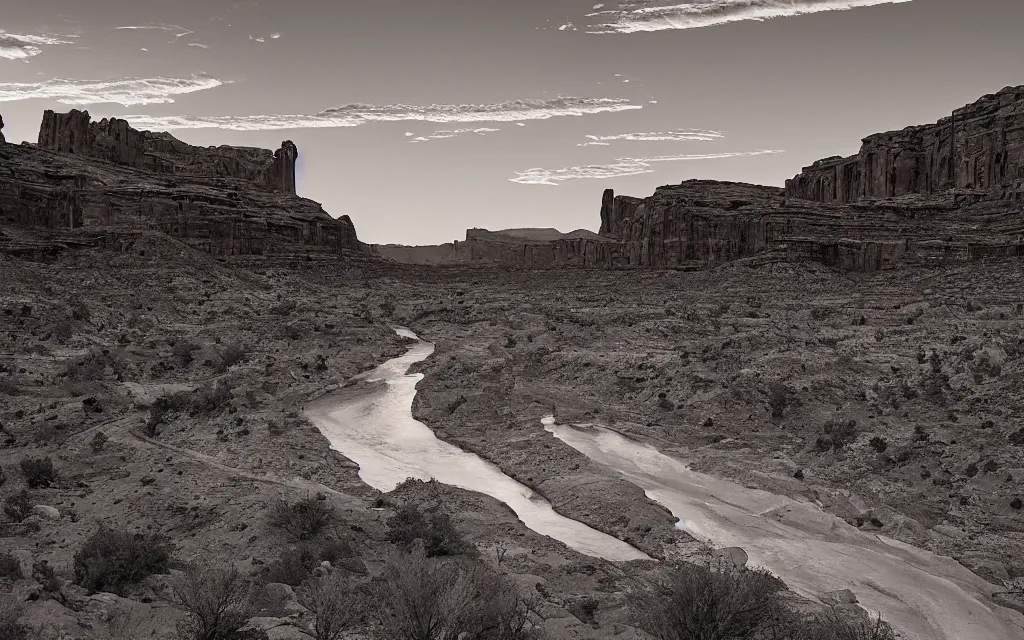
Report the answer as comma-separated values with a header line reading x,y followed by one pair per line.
x,y
109,177
985,140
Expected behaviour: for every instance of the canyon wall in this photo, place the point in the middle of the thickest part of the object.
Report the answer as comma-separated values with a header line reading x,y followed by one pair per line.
x,y
985,141
116,141
109,177
898,202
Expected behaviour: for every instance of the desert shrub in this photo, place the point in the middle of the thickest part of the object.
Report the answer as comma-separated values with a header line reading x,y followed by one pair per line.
x,y
879,444
837,435
210,400
304,519
228,356
832,625
113,560
18,506
98,441
445,599
38,472
219,602
3,477
47,577
9,386
334,603
10,615
9,567
701,603
185,351
778,398
296,563
436,531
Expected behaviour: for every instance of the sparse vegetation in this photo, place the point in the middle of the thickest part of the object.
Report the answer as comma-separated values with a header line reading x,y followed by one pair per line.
x,y
304,519
18,506
218,601
114,560
9,567
334,602
444,598
38,472
708,603
434,530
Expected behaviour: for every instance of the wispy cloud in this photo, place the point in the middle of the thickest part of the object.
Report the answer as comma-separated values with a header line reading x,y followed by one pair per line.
x,y
21,47
621,167
353,115
178,31
127,92
450,133
658,15
679,135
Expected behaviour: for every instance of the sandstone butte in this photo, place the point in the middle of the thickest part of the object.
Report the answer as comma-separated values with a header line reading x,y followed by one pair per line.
x,y
110,179
898,202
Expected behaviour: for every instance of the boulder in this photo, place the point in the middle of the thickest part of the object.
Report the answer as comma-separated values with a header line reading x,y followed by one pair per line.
x,y
734,555
281,597
840,597
46,512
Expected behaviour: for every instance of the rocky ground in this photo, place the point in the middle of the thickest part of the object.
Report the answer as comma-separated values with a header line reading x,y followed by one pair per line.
x,y
195,372
893,399
753,374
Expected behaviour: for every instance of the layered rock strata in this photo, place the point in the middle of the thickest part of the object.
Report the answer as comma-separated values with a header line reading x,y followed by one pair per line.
x,y
885,207
116,141
979,146
107,176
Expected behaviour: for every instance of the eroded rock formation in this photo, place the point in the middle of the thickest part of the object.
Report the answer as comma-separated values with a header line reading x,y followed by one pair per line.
x,y
888,206
110,177
985,140
3,140
116,141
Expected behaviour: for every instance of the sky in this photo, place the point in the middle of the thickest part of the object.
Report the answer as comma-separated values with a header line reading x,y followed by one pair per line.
x,y
422,119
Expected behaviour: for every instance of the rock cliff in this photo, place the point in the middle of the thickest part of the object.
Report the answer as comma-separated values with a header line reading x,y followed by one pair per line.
x,y
107,176
886,207
985,141
116,141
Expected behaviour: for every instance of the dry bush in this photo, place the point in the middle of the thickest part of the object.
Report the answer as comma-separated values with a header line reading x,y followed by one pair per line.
x,y
230,355
38,472
10,626
114,560
9,567
435,530
444,598
334,603
701,603
296,563
18,506
830,625
304,519
219,602
185,352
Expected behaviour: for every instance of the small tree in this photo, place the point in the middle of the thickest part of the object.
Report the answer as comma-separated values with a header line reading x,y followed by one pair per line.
x,y
218,602
333,602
